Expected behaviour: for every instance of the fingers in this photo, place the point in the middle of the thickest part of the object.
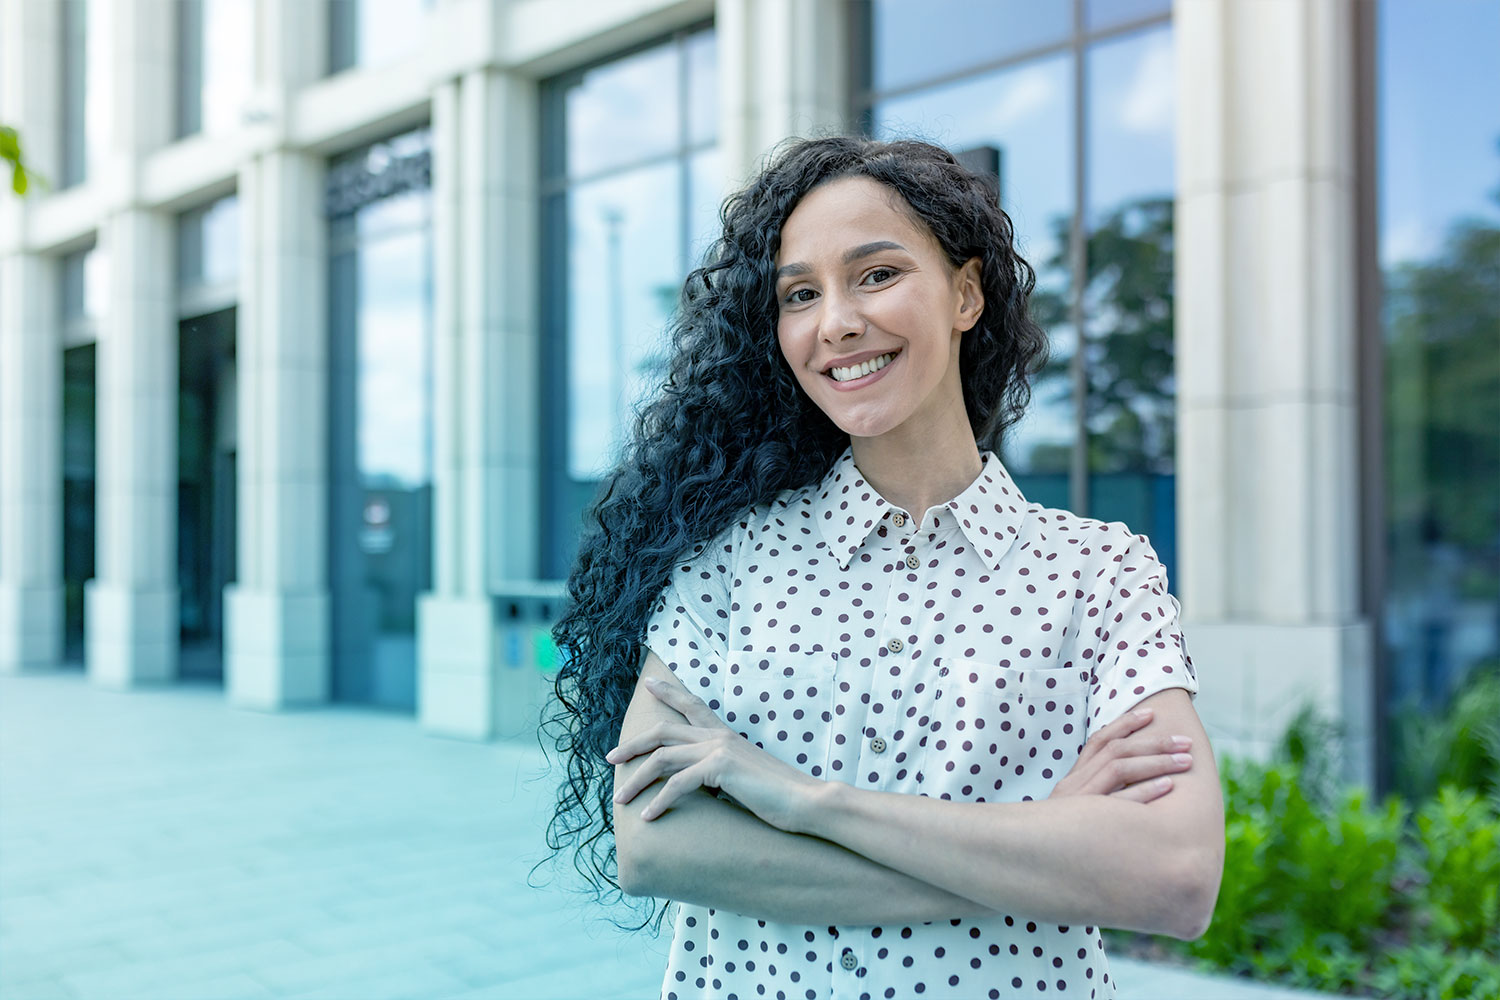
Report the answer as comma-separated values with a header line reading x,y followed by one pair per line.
x,y
674,695
667,760
1126,724
677,786
1145,791
660,735
1126,772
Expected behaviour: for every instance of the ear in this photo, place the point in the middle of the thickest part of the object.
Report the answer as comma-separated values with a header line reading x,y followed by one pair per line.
x,y
968,281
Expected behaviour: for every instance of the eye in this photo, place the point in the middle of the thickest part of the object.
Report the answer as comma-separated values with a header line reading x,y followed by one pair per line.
x,y
799,296
880,275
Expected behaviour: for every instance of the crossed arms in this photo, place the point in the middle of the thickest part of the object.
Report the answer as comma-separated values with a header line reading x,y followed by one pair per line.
x,y
1113,846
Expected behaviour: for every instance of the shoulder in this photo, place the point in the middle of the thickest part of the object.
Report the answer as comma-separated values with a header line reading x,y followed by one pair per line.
x,y
1092,549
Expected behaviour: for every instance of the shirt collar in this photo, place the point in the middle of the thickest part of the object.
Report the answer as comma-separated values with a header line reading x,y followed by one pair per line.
x,y
989,511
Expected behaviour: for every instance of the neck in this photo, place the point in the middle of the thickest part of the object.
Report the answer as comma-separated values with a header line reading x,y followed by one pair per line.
x,y
918,474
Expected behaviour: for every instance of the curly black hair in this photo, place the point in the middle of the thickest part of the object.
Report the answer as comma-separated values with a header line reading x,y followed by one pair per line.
x,y
731,429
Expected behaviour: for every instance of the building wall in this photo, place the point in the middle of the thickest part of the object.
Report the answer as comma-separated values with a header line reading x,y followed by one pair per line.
x,y
1263,398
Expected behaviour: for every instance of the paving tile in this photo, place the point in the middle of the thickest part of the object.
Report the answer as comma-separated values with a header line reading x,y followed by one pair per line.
x,y
147,977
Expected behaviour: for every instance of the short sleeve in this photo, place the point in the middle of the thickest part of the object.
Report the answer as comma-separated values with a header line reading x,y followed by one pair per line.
x,y
689,625
1140,649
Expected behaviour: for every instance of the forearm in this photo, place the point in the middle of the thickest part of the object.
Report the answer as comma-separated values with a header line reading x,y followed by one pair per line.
x,y
1081,860
712,853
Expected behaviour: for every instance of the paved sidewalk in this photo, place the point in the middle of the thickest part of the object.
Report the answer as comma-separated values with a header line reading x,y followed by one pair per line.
x,y
160,844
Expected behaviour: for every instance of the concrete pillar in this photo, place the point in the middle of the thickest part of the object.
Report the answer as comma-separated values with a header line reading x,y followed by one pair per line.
x,y
485,359
276,614
782,72
131,607
1266,367
31,601
31,590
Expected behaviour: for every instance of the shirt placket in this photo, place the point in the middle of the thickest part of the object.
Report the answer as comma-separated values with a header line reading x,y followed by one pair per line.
x,y
881,752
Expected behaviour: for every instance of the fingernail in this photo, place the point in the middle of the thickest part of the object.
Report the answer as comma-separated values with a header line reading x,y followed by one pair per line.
x,y
611,755
1182,758
1163,783
652,682
1181,743
1143,713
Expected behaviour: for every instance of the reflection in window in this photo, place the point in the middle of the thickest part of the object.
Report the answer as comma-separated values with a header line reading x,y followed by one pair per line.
x,y
83,291
208,243
373,32
1022,112
74,18
911,42
632,183
1130,412
214,63
1095,223
1439,210
380,431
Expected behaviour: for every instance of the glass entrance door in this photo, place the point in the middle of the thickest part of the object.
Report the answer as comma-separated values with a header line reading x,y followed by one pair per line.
x,y
205,488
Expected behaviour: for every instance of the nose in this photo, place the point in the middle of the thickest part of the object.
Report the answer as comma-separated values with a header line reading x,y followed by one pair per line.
x,y
840,319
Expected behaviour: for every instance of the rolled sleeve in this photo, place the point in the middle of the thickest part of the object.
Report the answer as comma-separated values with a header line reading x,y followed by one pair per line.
x,y
689,628
1141,649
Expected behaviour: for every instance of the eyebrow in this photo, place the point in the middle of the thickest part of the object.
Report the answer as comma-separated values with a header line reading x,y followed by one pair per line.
x,y
850,256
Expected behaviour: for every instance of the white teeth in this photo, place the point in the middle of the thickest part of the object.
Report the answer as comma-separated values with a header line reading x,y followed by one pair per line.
x,y
862,369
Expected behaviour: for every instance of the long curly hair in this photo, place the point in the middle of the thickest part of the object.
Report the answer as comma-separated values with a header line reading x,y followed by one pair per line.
x,y
730,429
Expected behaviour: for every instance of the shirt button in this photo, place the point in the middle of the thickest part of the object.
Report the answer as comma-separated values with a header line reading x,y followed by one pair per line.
x,y
912,562
895,645
847,960
900,519
877,745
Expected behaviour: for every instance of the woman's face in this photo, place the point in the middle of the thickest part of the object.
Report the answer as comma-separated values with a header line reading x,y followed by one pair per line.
x,y
870,311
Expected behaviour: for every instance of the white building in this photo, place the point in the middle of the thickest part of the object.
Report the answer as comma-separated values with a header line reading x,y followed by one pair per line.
x,y
310,358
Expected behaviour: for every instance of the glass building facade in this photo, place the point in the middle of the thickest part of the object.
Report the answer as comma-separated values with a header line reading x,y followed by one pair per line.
x,y
1438,175
611,143
1077,101
631,184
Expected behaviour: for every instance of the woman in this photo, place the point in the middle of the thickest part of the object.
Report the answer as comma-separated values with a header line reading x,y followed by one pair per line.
x,y
894,731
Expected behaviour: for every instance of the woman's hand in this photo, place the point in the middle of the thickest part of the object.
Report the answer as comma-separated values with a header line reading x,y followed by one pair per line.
x,y
705,753
1116,763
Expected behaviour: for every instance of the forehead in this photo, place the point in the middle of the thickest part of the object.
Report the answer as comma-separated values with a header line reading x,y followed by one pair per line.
x,y
847,212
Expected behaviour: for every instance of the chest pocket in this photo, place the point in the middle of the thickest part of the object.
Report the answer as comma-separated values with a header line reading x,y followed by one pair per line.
x,y
782,702
1002,734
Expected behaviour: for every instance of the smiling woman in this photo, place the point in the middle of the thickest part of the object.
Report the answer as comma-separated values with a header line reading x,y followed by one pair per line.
x,y
877,725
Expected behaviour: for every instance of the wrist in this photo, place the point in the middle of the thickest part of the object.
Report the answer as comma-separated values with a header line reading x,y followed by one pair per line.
x,y
818,803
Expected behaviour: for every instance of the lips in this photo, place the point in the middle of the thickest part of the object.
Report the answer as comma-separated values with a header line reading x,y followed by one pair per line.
x,y
858,366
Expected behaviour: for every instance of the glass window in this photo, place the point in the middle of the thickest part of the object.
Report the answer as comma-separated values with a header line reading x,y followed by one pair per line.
x,y
208,243
79,431
1438,149
632,184
1095,222
74,91
915,42
83,289
373,32
1023,112
1112,13
215,63
1130,413
381,420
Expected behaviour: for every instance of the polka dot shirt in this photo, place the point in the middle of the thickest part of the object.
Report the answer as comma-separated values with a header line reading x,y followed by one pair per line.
x,y
968,659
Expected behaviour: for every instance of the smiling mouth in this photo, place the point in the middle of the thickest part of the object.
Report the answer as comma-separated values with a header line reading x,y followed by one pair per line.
x,y
862,369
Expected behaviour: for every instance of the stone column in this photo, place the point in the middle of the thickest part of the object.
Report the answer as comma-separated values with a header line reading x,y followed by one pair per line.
x,y
277,612
31,592
782,72
485,360
131,607
1266,365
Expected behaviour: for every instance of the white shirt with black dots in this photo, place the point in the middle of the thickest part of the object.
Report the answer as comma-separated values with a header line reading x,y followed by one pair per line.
x,y
968,659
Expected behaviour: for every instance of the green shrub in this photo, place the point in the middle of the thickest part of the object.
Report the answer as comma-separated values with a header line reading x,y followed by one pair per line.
x,y
1460,836
1324,889
1459,747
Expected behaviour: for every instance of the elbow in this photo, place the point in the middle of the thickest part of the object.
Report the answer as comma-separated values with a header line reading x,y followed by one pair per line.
x,y
633,863
1194,891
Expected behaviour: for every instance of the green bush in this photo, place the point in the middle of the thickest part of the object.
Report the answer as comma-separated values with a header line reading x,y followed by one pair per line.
x,y
1324,889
